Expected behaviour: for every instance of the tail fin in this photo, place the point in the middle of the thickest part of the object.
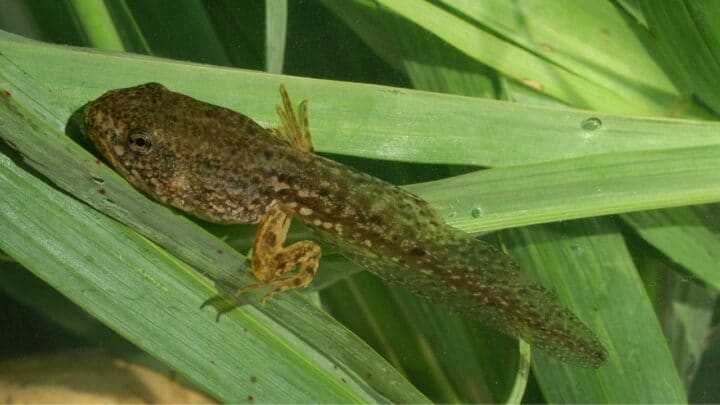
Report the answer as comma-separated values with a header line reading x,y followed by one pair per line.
x,y
476,280
485,284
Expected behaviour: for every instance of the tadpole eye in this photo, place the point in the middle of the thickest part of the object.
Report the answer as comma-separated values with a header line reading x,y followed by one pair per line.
x,y
140,140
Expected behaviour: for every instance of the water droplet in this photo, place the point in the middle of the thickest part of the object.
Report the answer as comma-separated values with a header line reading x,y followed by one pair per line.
x,y
97,180
452,214
591,124
476,212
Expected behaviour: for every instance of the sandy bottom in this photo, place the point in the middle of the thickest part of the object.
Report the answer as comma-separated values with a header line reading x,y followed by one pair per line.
x,y
88,376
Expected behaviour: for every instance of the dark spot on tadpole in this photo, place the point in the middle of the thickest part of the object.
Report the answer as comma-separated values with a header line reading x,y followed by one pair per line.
x,y
6,93
250,398
343,380
270,238
97,161
244,329
253,379
416,251
102,191
219,251
212,362
368,376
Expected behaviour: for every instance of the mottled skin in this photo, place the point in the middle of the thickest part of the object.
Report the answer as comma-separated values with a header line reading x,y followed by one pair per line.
x,y
221,166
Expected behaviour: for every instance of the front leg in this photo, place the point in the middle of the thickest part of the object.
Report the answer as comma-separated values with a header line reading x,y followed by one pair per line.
x,y
294,129
271,261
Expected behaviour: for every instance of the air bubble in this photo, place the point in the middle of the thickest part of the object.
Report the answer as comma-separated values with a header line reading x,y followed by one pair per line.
x,y
476,212
591,124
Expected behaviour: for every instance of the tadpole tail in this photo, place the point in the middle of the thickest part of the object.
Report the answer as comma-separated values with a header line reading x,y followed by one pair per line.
x,y
483,283
474,279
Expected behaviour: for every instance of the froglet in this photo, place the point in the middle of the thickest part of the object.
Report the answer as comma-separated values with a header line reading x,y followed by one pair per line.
x,y
221,166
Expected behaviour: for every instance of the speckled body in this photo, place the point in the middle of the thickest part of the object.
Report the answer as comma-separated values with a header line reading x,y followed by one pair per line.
x,y
221,166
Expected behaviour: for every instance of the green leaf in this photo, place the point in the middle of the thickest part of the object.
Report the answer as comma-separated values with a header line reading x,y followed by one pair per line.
x,y
377,122
687,40
681,235
97,24
684,306
576,188
590,268
427,60
595,43
454,359
474,34
275,34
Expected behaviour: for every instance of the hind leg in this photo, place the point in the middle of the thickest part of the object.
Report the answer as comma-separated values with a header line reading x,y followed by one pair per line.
x,y
271,261
305,255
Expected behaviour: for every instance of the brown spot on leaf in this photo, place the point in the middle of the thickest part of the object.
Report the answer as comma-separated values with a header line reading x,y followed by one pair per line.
x,y
10,143
534,84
